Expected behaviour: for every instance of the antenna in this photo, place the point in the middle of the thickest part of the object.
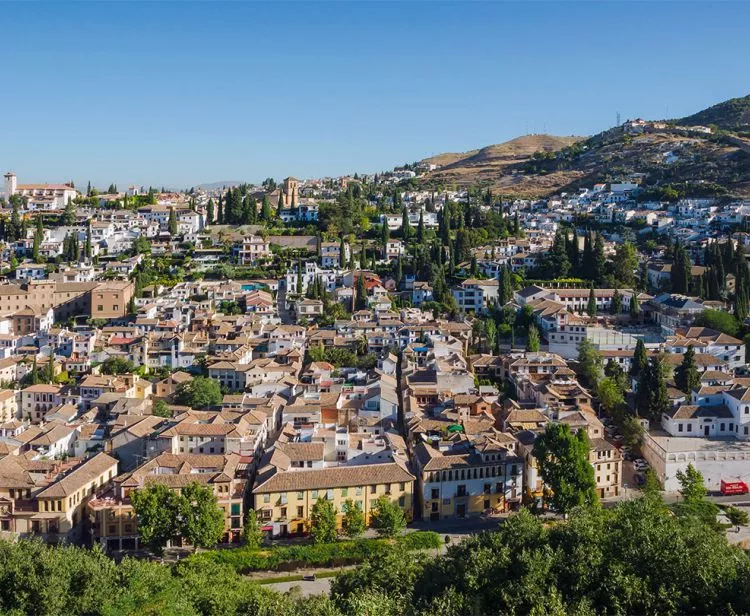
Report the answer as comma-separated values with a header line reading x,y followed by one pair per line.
x,y
618,119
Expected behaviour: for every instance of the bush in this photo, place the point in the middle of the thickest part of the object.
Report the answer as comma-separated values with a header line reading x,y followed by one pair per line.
x,y
286,558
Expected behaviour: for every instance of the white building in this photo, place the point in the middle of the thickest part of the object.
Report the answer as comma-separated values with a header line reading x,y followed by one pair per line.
x,y
50,196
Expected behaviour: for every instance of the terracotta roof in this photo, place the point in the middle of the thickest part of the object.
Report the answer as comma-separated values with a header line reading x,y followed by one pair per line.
x,y
79,477
335,477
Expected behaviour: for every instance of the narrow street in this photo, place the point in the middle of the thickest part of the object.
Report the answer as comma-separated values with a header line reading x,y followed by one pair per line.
x,y
284,314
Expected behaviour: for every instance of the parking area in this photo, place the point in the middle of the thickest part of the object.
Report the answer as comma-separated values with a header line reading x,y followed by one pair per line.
x,y
633,464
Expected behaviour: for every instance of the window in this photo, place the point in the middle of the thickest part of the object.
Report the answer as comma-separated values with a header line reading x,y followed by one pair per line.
x,y
300,495
315,495
300,512
283,512
100,308
679,427
373,489
344,492
266,498
690,427
436,493
401,501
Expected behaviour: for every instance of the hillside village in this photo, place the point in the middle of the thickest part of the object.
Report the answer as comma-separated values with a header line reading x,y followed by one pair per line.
x,y
361,340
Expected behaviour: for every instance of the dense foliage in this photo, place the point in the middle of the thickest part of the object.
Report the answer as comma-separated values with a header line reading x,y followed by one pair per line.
x,y
638,558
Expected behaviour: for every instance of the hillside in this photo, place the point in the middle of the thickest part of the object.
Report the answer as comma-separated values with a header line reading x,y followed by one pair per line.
x,y
494,164
663,153
732,115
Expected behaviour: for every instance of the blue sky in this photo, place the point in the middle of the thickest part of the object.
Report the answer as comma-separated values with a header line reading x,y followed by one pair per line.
x,y
180,93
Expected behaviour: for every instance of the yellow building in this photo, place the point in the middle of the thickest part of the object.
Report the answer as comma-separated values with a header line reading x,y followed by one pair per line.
x,y
468,478
113,522
284,495
48,497
607,462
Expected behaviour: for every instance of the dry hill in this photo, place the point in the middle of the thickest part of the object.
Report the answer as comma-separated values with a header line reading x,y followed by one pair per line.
x,y
664,153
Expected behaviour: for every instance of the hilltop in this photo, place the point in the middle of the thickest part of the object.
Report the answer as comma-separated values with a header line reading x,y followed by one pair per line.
x,y
667,152
732,115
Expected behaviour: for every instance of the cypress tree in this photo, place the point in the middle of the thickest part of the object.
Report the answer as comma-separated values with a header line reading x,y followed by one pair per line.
x,y
420,228
686,375
49,372
587,258
640,359
342,253
38,236
87,246
405,228
591,306
210,211
172,222
616,302
635,307
599,260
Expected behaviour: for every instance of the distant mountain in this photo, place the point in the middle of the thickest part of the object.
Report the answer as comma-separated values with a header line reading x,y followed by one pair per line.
x,y
218,185
660,152
732,115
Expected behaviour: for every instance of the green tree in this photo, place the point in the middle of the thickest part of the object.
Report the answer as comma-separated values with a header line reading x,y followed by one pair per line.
x,y
49,370
117,365
420,228
532,342
199,393
718,320
156,507
252,534
610,396
34,378
625,265
69,213
323,522
342,253
563,463
353,522
591,306
200,517
616,302
635,307
38,237
387,518
360,290
405,226
692,487
172,222
686,375
640,359
161,409
590,362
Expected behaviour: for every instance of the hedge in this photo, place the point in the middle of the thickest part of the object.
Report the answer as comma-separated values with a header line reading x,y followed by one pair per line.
x,y
340,553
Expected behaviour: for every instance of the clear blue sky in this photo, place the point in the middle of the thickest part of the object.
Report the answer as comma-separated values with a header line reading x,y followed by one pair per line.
x,y
180,93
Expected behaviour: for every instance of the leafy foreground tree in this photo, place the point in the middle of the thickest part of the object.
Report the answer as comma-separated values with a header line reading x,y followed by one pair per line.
x,y
637,558
323,522
353,522
563,464
387,518
164,515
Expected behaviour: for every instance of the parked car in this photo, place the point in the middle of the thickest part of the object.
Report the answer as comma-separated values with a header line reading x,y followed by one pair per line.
x,y
640,464
639,479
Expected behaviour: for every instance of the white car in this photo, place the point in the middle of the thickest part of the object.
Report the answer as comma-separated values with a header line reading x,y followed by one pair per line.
x,y
640,465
